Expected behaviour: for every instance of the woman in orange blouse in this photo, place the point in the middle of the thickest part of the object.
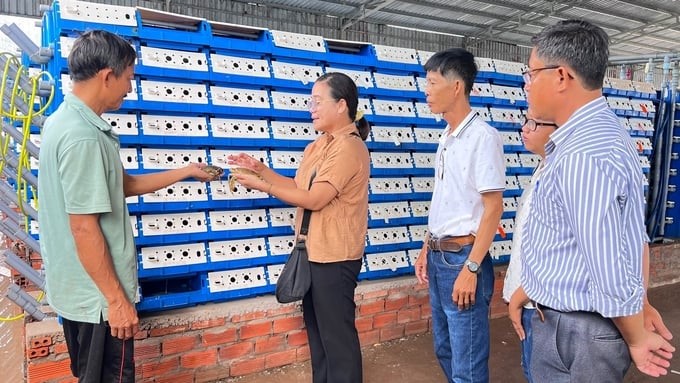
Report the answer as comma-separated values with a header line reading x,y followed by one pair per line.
x,y
338,199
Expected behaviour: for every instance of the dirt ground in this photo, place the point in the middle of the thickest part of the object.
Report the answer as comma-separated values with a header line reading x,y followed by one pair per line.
x,y
412,360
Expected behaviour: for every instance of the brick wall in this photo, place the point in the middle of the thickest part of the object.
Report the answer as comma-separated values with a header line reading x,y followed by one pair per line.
x,y
209,342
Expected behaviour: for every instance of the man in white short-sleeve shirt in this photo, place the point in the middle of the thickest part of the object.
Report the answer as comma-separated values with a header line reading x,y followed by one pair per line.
x,y
467,204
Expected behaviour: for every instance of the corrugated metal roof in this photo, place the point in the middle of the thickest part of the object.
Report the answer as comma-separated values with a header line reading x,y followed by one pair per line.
x,y
635,26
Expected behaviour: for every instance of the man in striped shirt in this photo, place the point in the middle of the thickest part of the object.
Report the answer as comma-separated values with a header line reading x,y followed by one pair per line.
x,y
583,250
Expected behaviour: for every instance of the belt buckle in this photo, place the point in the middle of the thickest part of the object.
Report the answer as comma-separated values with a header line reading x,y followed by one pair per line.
x,y
456,247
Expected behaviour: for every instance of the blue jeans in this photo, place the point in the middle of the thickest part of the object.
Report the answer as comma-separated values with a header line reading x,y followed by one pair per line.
x,y
526,343
461,337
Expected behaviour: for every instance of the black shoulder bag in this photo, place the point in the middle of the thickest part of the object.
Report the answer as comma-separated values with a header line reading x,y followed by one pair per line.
x,y
296,277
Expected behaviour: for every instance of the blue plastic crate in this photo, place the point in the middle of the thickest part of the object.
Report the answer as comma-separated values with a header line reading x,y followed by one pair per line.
x,y
229,67
352,53
317,51
182,31
57,24
147,68
239,38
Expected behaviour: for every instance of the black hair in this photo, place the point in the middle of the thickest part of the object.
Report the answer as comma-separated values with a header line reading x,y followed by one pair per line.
x,y
581,45
96,50
343,88
454,62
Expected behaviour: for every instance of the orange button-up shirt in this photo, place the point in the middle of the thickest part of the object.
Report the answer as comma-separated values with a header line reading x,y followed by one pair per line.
x,y
337,232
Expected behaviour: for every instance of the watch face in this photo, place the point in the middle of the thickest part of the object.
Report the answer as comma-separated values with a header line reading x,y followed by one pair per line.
x,y
472,266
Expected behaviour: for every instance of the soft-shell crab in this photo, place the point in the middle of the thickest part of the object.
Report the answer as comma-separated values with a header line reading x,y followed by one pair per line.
x,y
232,179
215,171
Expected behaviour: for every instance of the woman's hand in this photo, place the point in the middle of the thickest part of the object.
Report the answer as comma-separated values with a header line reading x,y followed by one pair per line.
x,y
243,160
252,181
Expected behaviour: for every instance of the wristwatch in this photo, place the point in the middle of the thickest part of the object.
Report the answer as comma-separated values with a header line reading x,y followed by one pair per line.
x,y
472,266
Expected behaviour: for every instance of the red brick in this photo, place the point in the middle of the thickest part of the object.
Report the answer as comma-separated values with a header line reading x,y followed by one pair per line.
x,y
249,316
41,372
298,338
219,338
236,350
168,330
418,300
180,377
402,291
279,359
369,338
284,310
287,324
384,320
420,326
391,333
269,344
303,354
245,367
374,294
364,324
69,380
372,308
60,348
141,334
199,359
147,349
396,303
426,311
180,344
208,323
408,315
42,341
256,329
419,287
212,374
38,352
158,368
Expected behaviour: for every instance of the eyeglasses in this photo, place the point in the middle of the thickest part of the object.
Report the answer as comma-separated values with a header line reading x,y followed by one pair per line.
x,y
312,104
529,74
531,124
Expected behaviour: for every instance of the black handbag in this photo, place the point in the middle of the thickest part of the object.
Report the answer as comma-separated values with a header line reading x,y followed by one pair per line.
x,y
296,277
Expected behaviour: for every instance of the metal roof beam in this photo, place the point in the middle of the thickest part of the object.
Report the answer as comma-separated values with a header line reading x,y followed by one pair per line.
x,y
651,8
362,12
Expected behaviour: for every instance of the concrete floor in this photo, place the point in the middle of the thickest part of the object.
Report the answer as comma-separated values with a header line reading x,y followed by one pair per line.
x,y
412,360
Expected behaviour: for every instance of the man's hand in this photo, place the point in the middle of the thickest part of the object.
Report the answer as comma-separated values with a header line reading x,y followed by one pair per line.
x,y
653,321
464,289
652,356
515,308
421,266
123,319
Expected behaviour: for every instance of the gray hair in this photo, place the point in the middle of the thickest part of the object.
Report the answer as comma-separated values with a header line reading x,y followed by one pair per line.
x,y
97,50
582,46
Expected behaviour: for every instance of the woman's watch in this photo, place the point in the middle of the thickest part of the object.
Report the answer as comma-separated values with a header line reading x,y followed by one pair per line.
x,y
472,266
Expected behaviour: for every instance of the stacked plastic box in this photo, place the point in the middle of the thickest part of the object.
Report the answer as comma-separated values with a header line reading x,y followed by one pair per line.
x,y
203,90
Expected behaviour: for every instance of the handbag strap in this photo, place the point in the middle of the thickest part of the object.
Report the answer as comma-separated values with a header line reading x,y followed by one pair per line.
x,y
304,228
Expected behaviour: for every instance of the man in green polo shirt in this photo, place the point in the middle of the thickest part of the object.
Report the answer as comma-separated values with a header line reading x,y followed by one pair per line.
x,y
85,233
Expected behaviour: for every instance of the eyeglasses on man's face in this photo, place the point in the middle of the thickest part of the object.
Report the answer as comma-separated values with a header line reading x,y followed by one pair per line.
x,y
529,74
531,125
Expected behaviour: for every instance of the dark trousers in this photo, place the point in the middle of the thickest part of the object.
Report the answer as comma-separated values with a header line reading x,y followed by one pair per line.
x,y
329,313
96,356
